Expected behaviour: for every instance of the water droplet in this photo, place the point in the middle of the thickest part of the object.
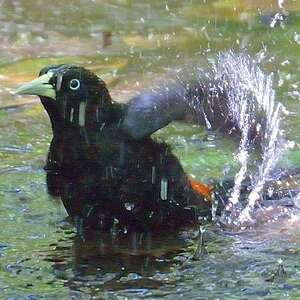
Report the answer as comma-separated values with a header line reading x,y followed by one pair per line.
x,y
153,175
164,189
285,62
129,206
270,192
281,4
297,37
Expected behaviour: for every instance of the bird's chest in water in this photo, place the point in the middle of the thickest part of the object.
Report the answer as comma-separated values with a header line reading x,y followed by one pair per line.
x,y
134,181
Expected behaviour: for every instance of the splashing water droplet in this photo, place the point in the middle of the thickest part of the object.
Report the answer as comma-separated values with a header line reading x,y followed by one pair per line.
x,y
297,37
129,206
281,4
252,107
164,189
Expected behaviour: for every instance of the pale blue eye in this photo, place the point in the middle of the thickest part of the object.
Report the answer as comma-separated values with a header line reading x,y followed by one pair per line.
x,y
74,84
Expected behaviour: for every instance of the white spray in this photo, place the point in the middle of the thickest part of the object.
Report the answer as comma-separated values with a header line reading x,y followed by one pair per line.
x,y
251,98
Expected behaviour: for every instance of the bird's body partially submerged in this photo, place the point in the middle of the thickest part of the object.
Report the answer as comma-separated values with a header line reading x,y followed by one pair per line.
x,y
135,184
103,174
102,161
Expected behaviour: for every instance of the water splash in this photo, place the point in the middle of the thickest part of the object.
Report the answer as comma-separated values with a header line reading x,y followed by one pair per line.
x,y
252,107
235,96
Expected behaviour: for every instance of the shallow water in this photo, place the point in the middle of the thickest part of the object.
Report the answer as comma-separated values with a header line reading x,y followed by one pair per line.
x,y
132,44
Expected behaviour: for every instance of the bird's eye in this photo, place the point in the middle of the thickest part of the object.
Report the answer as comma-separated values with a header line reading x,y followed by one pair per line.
x,y
74,84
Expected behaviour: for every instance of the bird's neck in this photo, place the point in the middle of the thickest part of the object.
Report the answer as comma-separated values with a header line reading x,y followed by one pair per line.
x,y
82,115
91,140
92,116
53,113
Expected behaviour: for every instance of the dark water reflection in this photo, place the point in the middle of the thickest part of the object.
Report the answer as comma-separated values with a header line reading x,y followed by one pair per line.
x,y
143,265
131,262
121,254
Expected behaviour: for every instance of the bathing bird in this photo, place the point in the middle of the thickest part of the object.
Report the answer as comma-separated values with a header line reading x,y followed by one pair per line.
x,y
103,162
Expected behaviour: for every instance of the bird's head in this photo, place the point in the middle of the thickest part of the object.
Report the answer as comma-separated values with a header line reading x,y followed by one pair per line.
x,y
71,94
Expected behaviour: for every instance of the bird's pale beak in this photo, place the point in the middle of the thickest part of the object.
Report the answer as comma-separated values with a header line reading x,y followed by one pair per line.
x,y
38,87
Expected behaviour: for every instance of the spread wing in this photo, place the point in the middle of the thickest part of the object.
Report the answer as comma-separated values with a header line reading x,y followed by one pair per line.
x,y
199,102
232,96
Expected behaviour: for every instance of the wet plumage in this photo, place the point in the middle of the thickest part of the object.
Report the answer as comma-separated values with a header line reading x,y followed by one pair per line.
x,y
104,174
104,164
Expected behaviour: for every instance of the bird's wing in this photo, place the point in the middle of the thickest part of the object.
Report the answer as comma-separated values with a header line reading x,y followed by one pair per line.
x,y
231,95
152,110
194,102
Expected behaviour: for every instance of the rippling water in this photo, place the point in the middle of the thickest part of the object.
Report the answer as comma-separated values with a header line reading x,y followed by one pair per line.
x,y
132,44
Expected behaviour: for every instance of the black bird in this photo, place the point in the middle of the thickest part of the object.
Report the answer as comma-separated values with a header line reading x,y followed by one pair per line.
x,y
102,161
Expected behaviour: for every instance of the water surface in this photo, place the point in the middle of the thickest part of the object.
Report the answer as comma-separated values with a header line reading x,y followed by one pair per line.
x,y
132,44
